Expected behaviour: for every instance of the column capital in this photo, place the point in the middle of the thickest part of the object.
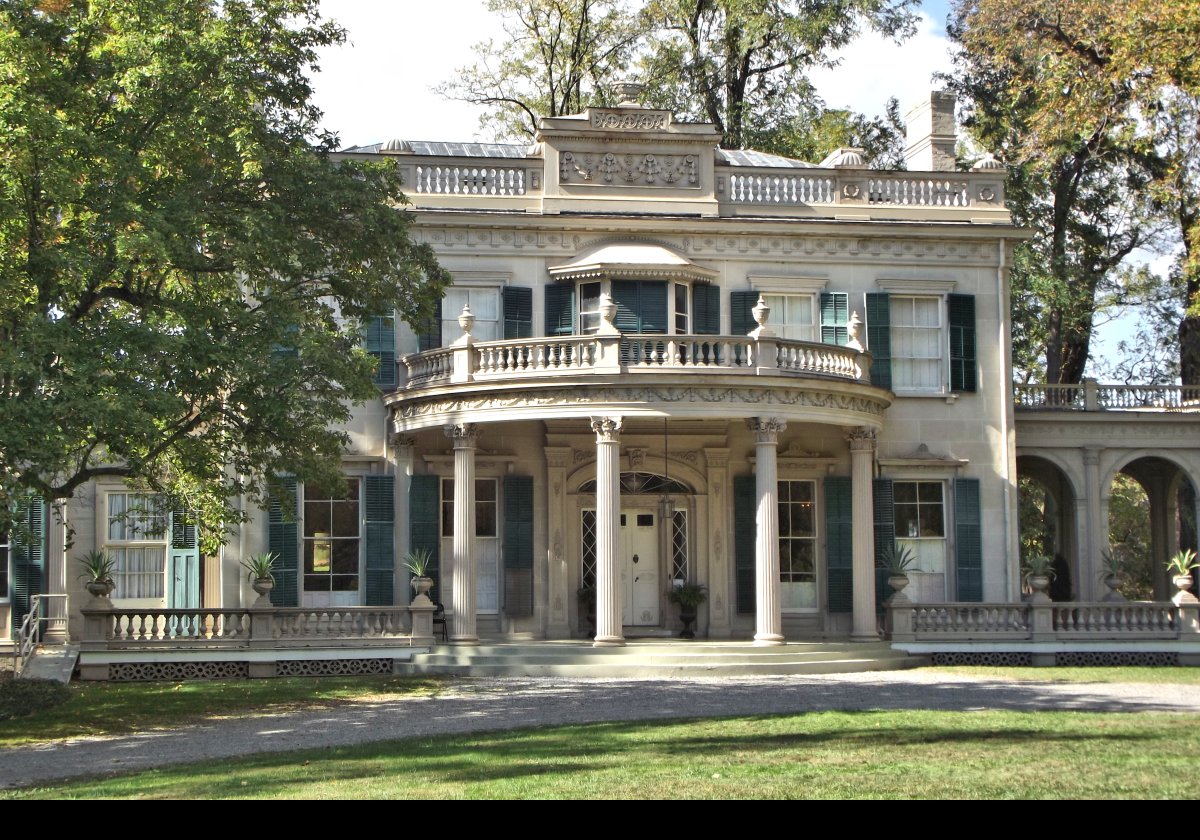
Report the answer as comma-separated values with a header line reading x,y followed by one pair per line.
x,y
766,429
861,438
402,441
558,456
716,458
464,435
607,429
1091,454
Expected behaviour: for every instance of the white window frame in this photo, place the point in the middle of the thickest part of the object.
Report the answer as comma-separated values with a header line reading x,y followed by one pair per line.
x,y
811,540
314,596
119,547
673,315
923,546
806,331
475,291
939,361
921,288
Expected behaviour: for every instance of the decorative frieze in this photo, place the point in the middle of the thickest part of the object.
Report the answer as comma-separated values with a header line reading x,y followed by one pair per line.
x,y
646,170
624,121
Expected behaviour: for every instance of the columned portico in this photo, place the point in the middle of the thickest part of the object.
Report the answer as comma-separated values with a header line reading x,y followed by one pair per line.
x,y
768,619
608,508
463,597
862,464
56,574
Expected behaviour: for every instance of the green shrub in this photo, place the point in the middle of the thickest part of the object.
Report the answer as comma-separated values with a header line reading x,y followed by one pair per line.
x,y
21,698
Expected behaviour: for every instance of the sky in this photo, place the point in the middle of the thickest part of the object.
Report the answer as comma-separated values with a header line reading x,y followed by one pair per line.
x,y
377,86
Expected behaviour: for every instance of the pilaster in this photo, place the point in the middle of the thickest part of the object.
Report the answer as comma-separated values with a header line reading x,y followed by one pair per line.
x,y
558,589
400,460
719,527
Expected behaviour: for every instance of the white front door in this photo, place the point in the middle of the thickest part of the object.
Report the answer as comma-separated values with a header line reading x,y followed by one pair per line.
x,y
639,566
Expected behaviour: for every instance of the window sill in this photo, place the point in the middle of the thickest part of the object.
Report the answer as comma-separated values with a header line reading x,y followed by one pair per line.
x,y
950,397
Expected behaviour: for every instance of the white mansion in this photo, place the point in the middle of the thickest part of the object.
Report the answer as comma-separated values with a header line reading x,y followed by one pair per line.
x,y
660,361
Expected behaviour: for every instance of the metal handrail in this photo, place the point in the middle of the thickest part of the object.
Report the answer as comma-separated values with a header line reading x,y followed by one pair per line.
x,y
29,636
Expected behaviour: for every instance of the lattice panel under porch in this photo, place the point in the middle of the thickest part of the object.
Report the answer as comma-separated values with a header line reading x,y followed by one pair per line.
x,y
147,671
332,667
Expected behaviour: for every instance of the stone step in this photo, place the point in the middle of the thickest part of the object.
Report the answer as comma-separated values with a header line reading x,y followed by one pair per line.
x,y
51,662
637,670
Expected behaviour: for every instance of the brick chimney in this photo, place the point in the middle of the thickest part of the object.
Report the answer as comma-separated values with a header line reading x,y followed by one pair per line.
x,y
930,133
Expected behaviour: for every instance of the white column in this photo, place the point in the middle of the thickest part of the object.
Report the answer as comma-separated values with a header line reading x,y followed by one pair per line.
x,y
1097,523
462,598
558,592
720,548
609,631
862,471
56,574
768,619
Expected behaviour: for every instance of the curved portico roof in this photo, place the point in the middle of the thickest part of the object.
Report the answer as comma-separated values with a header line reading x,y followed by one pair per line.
x,y
631,260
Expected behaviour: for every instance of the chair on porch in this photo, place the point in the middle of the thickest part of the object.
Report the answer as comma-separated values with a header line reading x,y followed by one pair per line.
x,y
439,617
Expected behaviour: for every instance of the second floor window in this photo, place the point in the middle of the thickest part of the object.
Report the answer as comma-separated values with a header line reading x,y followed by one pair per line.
x,y
916,343
485,306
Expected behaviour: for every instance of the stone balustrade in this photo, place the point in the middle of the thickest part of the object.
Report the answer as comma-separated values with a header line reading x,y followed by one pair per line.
x,y
1044,622
634,355
1090,395
469,179
771,187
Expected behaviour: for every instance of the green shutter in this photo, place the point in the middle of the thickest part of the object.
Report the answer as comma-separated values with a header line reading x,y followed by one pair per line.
x,y
518,311
380,516
884,503
741,311
560,309
430,336
835,316
381,343
183,591
962,343
879,338
641,306
283,540
839,544
745,500
424,522
28,556
518,545
968,541
706,310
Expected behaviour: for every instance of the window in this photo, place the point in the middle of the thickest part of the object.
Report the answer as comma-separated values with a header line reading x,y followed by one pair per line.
x,y
920,512
643,306
137,540
487,543
332,537
792,316
679,545
797,545
681,308
485,306
916,343
589,308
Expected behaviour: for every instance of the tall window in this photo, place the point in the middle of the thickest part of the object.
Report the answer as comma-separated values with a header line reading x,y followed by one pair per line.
x,y
681,309
589,307
916,342
485,306
487,542
4,566
792,316
137,540
921,522
679,545
587,575
797,545
332,537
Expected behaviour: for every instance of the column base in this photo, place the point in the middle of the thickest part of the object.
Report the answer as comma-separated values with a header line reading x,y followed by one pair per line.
x,y
609,641
864,637
761,639
464,640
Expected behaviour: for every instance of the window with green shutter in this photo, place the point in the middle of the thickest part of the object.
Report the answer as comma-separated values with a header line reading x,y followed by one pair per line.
x,y
518,311
641,306
283,540
28,547
839,544
962,343
741,311
835,318
883,500
518,545
424,523
879,338
429,337
706,307
381,343
379,514
968,540
560,309
745,500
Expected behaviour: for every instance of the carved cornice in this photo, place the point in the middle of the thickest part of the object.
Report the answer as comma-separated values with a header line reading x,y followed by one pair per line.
x,y
766,429
607,429
602,169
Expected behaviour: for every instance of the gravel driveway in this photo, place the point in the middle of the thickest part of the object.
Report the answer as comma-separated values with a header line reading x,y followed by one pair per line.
x,y
474,705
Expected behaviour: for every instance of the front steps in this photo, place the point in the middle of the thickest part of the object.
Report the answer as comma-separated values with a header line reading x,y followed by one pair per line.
x,y
51,662
654,659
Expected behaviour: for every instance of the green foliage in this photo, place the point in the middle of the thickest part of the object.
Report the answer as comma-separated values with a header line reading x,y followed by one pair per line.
x,y
183,261
688,596
417,561
1129,537
260,566
98,565
896,559
22,698
1038,565
1183,562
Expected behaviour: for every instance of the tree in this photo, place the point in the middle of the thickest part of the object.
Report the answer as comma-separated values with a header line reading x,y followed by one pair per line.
x,y
560,57
741,64
184,264
1087,99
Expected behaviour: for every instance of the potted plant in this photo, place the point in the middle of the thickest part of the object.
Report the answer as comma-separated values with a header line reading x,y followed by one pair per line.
x,y
98,568
586,595
1039,571
897,560
260,572
417,562
689,597
1180,567
1112,569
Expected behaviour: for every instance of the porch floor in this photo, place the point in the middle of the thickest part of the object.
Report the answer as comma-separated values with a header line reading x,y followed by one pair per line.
x,y
655,659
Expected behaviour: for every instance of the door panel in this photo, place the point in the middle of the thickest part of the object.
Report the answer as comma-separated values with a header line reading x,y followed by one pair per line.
x,y
639,567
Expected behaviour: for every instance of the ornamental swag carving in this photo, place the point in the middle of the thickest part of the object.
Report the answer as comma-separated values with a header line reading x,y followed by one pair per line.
x,y
647,170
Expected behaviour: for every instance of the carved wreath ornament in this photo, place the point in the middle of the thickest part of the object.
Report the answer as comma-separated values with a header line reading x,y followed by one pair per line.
x,y
629,122
656,170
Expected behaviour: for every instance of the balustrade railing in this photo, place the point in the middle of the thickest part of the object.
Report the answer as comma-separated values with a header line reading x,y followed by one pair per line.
x,y
535,355
128,626
1148,396
1044,621
340,623
1132,619
918,191
970,619
776,188
1042,395
1090,395
32,629
429,366
443,179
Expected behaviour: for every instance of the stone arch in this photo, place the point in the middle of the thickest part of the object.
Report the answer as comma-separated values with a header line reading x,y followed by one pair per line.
x,y
1061,519
675,469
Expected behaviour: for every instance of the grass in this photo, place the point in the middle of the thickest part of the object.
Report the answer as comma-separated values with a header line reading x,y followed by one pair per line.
x,y
98,708
1151,676
912,754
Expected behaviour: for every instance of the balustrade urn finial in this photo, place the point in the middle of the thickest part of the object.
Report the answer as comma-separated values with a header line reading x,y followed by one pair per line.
x,y
854,332
466,319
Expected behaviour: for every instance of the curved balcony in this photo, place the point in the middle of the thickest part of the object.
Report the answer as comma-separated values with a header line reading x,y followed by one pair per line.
x,y
636,375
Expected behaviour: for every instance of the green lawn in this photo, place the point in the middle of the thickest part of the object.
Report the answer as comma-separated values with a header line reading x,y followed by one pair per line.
x,y
831,754
99,708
